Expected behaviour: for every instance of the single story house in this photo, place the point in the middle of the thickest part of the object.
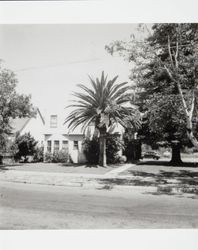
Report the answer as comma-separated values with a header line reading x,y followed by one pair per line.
x,y
51,133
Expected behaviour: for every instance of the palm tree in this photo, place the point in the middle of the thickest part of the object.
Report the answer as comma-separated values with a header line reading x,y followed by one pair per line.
x,y
102,105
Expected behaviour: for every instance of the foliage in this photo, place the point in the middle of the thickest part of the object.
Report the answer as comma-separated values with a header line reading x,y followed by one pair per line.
x,y
26,146
132,149
48,157
103,105
60,156
91,149
114,144
12,105
164,73
38,154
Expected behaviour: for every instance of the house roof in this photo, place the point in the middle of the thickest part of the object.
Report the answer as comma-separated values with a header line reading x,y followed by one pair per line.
x,y
19,123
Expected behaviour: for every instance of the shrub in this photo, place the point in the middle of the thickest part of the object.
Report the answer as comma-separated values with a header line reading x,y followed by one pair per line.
x,y
48,157
38,154
60,156
26,146
132,149
91,149
57,157
114,145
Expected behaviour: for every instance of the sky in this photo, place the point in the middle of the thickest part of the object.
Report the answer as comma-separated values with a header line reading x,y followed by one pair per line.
x,y
51,59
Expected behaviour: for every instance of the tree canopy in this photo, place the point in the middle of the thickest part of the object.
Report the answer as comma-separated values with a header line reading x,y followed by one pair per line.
x,y
165,77
12,104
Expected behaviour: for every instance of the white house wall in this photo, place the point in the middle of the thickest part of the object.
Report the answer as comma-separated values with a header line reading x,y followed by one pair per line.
x,y
35,127
61,133
76,155
43,132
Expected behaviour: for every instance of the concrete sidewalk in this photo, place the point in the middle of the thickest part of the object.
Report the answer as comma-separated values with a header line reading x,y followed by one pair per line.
x,y
63,179
117,171
55,178
112,179
68,179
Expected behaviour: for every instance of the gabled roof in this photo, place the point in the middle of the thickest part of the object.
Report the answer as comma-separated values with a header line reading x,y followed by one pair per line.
x,y
18,124
39,112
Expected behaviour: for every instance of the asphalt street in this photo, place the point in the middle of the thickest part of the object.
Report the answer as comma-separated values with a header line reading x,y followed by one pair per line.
x,y
30,206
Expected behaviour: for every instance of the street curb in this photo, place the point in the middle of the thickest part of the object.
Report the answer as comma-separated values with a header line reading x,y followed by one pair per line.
x,y
95,185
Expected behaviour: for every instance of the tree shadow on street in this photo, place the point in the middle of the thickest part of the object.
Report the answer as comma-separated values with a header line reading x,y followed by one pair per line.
x,y
168,163
75,165
128,182
143,178
3,168
92,166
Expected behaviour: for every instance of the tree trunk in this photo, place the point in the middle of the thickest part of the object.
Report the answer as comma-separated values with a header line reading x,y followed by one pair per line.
x,y
189,116
176,156
190,134
188,113
102,153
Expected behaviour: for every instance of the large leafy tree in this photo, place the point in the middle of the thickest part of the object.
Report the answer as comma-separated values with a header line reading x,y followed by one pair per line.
x,y
12,104
103,105
165,73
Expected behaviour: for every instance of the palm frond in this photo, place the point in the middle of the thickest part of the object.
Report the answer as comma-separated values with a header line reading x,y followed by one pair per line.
x,y
102,104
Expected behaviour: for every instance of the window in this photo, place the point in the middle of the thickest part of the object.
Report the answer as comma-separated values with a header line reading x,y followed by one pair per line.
x,y
53,121
65,145
76,145
56,146
49,146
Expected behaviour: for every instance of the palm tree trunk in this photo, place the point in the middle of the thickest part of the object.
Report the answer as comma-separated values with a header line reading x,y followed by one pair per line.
x,y
102,153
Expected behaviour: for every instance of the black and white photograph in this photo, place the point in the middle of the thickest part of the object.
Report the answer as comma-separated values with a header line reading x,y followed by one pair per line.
x,y
99,125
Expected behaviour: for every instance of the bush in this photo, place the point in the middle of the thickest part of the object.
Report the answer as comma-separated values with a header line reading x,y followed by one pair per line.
x,y
114,145
26,146
60,156
38,155
91,149
48,157
132,149
57,157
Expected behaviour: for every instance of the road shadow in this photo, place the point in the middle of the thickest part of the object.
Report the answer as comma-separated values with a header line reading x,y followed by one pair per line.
x,y
6,167
143,178
77,165
129,182
92,166
168,164
3,168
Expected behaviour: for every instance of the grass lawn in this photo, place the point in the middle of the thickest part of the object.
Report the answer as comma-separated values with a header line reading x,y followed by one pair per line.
x,y
161,175
59,168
